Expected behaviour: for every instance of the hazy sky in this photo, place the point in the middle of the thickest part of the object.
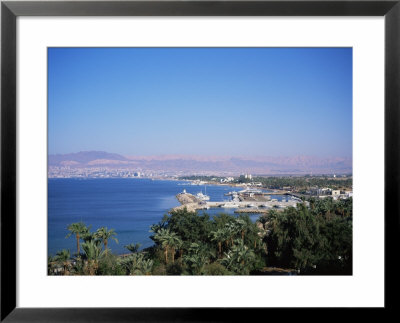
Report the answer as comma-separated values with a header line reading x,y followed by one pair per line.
x,y
201,101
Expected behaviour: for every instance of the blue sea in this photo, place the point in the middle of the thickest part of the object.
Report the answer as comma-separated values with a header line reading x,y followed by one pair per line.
x,y
129,206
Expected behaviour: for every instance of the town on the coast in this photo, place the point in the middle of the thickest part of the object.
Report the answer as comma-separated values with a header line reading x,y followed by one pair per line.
x,y
204,161
254,199
303,227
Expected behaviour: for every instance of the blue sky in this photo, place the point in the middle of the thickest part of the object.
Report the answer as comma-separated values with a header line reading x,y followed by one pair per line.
x,y
201,101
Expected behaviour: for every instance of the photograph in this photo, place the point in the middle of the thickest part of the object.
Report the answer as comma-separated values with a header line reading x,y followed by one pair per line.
x,y
199,161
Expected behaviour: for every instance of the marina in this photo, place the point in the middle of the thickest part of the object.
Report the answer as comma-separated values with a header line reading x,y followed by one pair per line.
x,y
244,201
130,206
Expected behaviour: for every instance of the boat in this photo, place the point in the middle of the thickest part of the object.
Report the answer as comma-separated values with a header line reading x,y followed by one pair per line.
x,y
203,197
249,190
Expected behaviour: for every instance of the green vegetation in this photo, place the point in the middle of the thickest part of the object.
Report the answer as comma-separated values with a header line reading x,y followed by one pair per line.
x,y
315,241
303,240
301,183
79,229
297,183
103,234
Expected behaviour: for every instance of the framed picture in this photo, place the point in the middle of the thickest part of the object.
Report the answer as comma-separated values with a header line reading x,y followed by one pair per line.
x,y
109,104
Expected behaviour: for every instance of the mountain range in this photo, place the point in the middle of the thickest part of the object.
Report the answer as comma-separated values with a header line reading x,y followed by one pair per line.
x,y
206,164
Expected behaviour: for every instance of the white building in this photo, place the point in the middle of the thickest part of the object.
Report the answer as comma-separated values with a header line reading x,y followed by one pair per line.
x,y
248,176
335,192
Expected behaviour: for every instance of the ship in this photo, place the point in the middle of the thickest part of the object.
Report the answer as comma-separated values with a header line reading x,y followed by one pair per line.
x,y
203,197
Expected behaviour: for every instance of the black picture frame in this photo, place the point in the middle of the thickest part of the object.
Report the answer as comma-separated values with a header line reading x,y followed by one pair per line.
x,y
10,10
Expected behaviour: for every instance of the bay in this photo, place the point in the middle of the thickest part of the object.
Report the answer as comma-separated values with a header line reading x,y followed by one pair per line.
x,y
129,206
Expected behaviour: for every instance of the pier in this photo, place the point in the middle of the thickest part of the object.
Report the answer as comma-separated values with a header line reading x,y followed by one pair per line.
x,y
192,204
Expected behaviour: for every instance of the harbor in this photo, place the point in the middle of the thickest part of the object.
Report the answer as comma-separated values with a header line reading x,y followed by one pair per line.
x,y
248,200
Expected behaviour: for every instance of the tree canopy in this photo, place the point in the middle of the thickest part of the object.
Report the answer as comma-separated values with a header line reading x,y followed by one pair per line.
x,y
314,239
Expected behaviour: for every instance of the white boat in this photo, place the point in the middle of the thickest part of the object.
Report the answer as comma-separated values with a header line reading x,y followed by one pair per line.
x,y
203,197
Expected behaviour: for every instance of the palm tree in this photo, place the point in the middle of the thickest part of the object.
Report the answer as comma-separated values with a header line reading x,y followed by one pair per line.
x,y
219,236
63,256
233,230
195,262
165,237
226,232
272,218
50,262
174,242
254,234
147,266
161,238
180,247
138,265
241,226
133,247
196,258
349,207
160,225
79,229
93,252
240,259
103,234
88,236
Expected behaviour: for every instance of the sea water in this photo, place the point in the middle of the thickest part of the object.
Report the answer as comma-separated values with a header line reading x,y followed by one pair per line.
x,y
128,205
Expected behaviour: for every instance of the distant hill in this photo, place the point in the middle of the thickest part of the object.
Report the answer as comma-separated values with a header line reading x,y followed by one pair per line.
x,y
83,158
207,164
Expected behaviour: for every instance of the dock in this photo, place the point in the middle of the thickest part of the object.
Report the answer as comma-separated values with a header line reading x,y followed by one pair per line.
x,y
252,211
192,204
